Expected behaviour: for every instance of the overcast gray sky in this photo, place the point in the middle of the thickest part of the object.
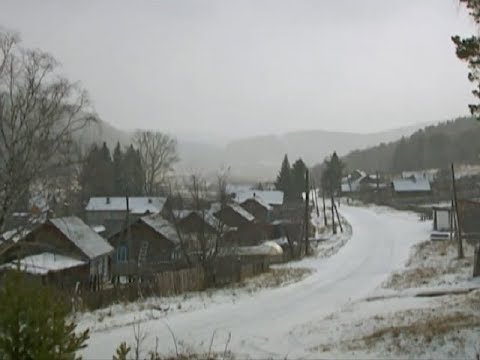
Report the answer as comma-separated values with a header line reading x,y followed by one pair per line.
x,y
237,68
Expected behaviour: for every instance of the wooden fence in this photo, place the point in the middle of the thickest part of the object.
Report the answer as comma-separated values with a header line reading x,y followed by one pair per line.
x,y
169,283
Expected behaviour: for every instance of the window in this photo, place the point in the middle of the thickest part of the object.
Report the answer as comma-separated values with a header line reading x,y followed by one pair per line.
x,y
122,253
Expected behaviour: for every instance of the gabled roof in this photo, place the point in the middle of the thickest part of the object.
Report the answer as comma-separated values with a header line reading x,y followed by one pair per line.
x,y
82,235
211,220
271,197
260,201
241,211
411,185
136,204
162,227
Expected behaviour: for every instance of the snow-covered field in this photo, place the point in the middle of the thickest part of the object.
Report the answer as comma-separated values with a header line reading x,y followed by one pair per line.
x,y
287,321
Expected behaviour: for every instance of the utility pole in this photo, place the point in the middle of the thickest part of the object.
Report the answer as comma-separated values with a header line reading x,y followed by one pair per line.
x,y
315,197
307,215
325,222
334,228
338,218
459,226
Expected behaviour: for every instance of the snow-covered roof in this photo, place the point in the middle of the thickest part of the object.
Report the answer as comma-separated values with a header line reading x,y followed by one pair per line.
x,y
209,219
241,211
161,226
137,204
14,235
99,228
259,200
271,197
83,236
41,264
268,248
404,185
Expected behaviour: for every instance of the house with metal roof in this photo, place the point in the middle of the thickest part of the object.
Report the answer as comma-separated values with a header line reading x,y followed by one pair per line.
x,y
111,212
273,198
411,187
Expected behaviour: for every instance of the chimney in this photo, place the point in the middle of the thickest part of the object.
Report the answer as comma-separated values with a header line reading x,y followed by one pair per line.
x,y
107,199
149,200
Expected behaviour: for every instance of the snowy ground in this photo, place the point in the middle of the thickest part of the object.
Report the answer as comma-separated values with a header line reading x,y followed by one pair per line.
x,y
290,320
434,263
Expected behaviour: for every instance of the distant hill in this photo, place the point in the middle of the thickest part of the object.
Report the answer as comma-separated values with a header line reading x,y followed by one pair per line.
x,y
254,158
436,146
260,157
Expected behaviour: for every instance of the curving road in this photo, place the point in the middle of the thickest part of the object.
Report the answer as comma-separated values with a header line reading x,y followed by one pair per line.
x,y
264,325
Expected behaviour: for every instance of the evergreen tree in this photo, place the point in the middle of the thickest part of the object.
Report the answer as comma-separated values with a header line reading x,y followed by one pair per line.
x,y
284,181
86,183
96,177
468,49
298,178
133,171
118,171
33,322
332,174
105,172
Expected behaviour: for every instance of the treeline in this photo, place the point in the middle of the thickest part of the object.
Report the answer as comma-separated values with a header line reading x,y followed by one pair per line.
x,y
105,175
437,146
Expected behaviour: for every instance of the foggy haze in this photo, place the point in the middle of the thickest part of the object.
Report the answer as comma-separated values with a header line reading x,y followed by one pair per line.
x,y
226,69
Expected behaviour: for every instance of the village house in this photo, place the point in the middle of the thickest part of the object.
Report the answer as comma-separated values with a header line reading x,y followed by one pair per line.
x,y
111,212
149,244
248,232
258,207
273,198
361,181
411,187
232,214
60,244
202,222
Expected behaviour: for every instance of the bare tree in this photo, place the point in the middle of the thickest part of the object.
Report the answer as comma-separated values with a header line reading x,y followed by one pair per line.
x,y
204,243
158,152
40,111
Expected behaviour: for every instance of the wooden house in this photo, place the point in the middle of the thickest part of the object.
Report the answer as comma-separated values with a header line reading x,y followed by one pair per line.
x,y
111,212
247,231
411,187
233,215
149,244
258,207
201,222
66,242
274,198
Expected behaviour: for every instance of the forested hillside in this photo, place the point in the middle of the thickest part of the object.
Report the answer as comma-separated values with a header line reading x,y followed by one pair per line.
x,y
432,147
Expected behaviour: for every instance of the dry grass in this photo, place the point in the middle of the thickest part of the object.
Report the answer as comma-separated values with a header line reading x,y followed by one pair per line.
x,y
412,332
433,262
273,278
422,332
425,326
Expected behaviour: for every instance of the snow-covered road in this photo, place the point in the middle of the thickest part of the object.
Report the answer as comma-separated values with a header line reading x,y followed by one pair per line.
x,y
265,325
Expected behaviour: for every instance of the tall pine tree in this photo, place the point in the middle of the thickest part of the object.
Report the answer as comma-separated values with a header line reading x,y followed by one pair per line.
x,y
133,171
96,177
298,178
118,171
284,181
332,174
